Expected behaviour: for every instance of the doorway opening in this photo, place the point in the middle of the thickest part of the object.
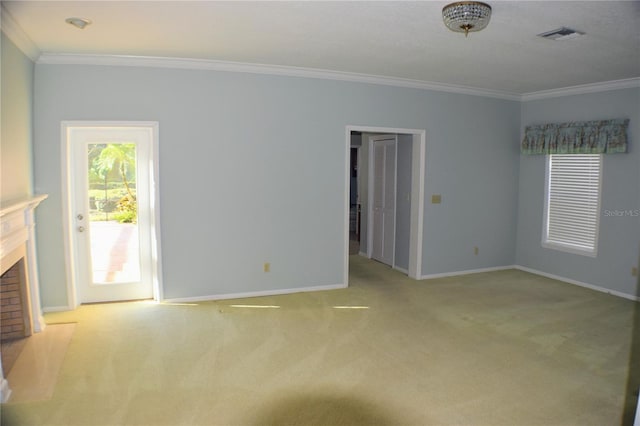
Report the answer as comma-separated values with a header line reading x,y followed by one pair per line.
x,y
111,216
408,184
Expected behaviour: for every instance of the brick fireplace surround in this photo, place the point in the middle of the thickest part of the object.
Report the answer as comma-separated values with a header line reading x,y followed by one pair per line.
x,y
15,321
20,312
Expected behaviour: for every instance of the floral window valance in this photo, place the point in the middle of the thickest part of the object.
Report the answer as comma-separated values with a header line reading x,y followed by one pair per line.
x,y
586,137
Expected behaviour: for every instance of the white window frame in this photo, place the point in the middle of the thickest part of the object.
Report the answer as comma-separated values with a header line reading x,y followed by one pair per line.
x,y
567,246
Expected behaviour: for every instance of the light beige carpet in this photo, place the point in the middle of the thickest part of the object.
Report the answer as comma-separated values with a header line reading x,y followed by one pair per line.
x,y
501,348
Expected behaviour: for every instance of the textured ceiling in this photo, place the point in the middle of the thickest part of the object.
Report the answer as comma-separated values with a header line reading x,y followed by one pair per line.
x,y
393,39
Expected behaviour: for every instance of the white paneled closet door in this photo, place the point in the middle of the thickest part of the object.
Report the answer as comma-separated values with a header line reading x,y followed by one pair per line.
x,y
383,206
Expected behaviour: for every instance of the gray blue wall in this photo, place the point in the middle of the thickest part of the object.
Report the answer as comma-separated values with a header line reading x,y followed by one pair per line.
x,y
16,122
239,187
468,163
619,236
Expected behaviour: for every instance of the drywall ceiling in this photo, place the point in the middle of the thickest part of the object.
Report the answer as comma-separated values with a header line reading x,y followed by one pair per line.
x,y
397,39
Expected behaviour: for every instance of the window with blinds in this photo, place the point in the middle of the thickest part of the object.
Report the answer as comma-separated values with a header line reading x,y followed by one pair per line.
x,y
572,203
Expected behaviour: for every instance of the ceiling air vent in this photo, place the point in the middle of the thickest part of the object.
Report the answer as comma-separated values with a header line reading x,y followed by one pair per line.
x,y
563,33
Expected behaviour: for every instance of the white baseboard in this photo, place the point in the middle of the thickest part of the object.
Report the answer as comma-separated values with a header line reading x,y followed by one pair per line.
x,y
467,272
579,283
253,294
399,269
47,309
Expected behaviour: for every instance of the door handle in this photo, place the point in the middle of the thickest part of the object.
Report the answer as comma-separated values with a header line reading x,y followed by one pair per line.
x,y
80,228
80,217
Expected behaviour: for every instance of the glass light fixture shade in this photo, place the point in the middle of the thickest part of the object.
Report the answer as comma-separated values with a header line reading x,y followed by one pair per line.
x,y
466,16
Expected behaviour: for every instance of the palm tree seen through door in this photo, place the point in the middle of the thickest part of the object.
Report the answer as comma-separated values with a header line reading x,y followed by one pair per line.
x,y
113,212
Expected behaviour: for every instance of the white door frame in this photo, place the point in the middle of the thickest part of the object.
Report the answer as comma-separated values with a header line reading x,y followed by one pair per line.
x,y
417,194
68,219
370,191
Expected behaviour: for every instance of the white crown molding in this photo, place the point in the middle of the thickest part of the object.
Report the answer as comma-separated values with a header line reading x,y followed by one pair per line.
x,y
582,89
213,65
227,66
17,35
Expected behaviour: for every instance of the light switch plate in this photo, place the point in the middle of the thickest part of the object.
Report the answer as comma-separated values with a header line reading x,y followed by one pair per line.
x,y
436,199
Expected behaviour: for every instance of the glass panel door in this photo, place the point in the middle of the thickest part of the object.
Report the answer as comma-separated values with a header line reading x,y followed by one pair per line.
x,y
113,207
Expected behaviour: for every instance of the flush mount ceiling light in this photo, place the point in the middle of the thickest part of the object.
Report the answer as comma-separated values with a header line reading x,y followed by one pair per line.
x,y
78,22
466,16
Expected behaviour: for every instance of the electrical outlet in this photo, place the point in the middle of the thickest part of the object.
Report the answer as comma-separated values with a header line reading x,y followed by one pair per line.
x,y
634,272
476,250
266,267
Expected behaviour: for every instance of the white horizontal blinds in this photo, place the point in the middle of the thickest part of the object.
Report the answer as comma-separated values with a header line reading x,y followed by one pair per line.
x,y
573,201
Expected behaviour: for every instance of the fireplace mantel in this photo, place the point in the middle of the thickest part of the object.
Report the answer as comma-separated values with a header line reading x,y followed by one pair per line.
x,y
17,228
16,218
23,203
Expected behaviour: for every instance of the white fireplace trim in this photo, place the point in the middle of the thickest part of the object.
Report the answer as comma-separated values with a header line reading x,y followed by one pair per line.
x,y
17,227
